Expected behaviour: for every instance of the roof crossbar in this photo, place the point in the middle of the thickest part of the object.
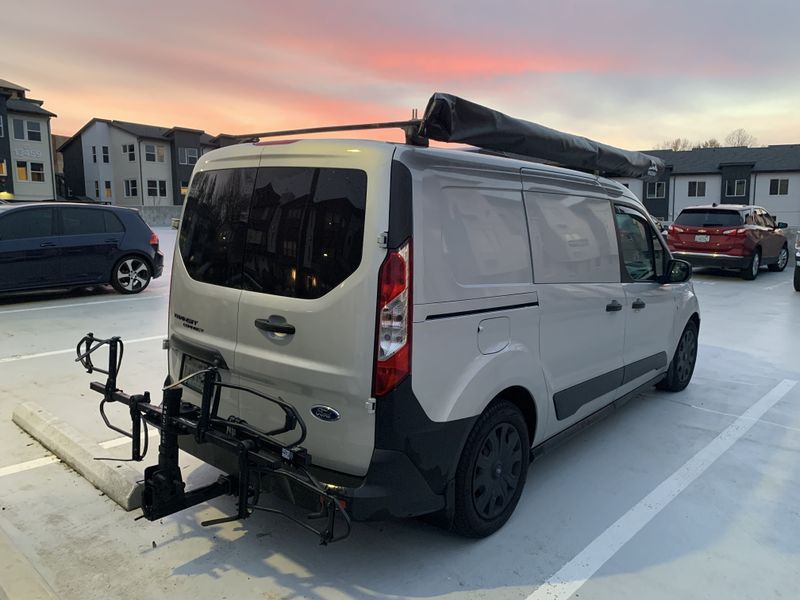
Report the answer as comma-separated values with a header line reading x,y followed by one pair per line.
x,y
410,127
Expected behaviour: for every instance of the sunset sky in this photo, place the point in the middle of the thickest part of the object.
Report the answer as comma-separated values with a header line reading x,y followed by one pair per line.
x,y
630,73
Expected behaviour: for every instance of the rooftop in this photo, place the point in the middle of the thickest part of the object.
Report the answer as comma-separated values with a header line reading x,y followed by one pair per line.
x,y
33,107
784,157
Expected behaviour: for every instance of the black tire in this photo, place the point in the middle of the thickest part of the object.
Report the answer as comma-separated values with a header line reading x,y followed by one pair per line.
x,y
131,275
783,260
797,279
750,272
681,367
492,471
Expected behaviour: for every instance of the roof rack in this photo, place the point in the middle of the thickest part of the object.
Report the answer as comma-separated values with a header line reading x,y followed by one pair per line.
x,y
449,118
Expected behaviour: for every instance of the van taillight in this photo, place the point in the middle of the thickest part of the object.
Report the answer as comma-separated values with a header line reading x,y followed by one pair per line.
x,y
154,239
393,343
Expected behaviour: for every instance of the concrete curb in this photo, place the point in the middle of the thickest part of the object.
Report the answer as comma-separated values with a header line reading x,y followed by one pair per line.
x,y
19,580
116,480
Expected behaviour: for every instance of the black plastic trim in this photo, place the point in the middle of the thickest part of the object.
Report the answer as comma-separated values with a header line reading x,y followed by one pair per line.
x,y
401,218
479,311
568,401
209,355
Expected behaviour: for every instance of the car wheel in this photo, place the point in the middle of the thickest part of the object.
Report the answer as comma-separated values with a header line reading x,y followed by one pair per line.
x,y
681,368
131,275
492,471
751,271
783,260
797,279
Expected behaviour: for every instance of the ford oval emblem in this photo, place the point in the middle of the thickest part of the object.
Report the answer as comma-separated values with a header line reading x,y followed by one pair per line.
x,y
325,413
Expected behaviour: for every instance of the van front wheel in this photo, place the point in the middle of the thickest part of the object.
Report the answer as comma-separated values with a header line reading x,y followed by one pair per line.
x,y
492,471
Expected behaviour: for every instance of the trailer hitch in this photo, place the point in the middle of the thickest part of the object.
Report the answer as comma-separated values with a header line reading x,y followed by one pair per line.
x,y
258,453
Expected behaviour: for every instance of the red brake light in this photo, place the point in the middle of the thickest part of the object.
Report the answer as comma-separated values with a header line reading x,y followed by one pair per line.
x,y
154,239
393,330
735,232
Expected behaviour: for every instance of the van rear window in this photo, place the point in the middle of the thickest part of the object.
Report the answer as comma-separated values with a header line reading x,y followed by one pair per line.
x,y
287,231
709,218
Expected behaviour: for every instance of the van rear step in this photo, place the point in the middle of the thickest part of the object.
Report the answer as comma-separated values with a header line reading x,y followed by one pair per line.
x,y
258,454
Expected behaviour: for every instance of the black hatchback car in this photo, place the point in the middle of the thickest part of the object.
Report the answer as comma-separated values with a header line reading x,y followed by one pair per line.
x,y
67,245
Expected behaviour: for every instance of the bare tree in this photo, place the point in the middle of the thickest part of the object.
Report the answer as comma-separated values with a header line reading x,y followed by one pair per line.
x,y
740,138
678,144
709,143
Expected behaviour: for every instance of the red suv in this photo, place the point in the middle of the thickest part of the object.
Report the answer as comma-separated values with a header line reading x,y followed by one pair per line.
x,y
729,236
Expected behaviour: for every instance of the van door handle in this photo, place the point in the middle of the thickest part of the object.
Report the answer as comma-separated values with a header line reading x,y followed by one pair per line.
x,y
267,325
613,306
638,304
47,245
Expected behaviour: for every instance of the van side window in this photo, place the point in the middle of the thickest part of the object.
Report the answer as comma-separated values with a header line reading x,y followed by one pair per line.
x,y
306,230
573,239
642,252
214,225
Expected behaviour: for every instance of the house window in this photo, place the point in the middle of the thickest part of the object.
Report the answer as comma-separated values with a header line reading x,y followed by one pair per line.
x,y
160,153
627,185
162,188
187,156
37,172
34,131
778,187
697,189
131,188
96,189
3,172
108,189
735,188
150,152
130,150
94,154
19,129
152,187
2,130
105,154
22,170
656,189
184,188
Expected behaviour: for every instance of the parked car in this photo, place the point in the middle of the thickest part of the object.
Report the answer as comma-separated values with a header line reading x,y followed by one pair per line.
x,y
67,245
437,316
729,236
797,263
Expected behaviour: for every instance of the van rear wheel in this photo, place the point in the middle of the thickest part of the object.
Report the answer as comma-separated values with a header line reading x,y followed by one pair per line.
x,y
492,471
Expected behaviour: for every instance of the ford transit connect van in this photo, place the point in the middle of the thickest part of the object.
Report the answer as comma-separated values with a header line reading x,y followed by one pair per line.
x,y
400,329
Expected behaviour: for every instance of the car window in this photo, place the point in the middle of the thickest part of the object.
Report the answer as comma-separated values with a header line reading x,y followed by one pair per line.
x,y
305,231
29,223
85,221
641,250
113,224
766,219
700,217
749,219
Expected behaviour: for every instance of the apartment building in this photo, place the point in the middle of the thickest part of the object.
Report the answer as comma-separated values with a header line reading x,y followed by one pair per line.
x,y
768,177
26,152
132,164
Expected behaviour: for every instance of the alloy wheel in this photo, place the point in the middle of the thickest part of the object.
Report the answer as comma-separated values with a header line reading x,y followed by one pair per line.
x,y
133,274
783,258
756,264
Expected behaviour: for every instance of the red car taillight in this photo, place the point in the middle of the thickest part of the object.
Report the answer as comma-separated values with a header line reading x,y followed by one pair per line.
x,y
735,232
393,330
154,240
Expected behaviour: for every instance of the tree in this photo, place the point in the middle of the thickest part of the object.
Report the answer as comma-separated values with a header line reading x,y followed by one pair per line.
x,y
678,144
740,138
709,143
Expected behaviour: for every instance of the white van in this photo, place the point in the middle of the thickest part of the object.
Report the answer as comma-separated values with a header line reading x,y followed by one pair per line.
x,y
437,317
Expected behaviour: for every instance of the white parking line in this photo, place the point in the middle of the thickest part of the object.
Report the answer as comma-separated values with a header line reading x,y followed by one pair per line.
x,y
49,460
573,575
20,310
9,359
777,285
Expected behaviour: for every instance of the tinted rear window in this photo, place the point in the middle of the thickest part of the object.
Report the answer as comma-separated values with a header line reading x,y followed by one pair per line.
x,y
28,223
84,221
709,218
288,231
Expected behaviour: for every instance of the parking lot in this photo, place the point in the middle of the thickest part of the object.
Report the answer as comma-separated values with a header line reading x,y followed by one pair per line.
x,y
693,495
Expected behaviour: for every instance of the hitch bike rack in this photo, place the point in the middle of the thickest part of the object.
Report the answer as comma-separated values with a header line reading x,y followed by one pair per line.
x,y
257,452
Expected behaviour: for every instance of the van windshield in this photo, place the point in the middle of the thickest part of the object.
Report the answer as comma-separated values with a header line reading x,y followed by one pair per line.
x,y
709,218
287,231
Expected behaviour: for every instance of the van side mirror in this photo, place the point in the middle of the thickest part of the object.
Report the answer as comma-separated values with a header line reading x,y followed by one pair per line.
x,y
782,225
678,271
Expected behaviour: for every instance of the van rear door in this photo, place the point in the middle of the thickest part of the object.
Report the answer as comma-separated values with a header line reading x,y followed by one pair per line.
x,y
306,323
